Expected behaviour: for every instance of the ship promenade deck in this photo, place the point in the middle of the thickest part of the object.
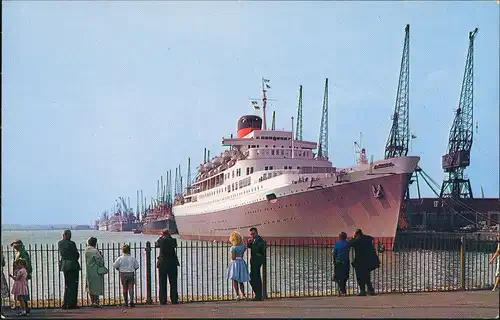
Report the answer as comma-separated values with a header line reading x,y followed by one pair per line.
x,y
462,304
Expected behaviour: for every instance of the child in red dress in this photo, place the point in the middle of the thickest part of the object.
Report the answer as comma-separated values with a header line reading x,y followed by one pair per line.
x,y
20,286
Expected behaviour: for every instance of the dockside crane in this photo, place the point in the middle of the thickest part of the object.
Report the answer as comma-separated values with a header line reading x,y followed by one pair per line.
x,y
399,137
137,212
188,183
298,133
176,183
323,131
461,134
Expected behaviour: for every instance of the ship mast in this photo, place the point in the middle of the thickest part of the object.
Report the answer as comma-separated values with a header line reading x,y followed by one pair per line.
x,y
265,86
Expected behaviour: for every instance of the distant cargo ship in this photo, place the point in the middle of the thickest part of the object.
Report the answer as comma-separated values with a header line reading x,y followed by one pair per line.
x,y
122,220
158,219
123,223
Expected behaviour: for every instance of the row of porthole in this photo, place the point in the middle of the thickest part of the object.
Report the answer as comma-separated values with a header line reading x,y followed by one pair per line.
x,y
222,221
282,220
264,223
280,207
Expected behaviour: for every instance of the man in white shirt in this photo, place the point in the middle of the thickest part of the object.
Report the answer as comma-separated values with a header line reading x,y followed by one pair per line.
x,y
126,265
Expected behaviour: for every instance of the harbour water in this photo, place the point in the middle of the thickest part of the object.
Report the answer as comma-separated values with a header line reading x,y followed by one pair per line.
x,y
291,270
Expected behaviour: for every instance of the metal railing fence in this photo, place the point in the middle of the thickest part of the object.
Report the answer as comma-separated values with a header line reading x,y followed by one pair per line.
x,y
290,271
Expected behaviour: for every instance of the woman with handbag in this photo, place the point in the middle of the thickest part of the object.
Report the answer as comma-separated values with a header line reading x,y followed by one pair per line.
x,y
96,270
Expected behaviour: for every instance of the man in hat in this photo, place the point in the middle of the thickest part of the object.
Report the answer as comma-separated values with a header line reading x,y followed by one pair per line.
x,y
365,261
167,265
21,253
69,265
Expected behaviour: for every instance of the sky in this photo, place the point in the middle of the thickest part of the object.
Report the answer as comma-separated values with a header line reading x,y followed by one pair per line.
x,y
99,99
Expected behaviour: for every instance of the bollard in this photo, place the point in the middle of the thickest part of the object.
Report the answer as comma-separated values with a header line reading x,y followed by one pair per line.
x,y
149,300
264,280
462,263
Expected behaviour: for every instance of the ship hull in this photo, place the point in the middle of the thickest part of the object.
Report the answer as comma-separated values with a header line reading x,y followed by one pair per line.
x,y
157,226
122,226
311,217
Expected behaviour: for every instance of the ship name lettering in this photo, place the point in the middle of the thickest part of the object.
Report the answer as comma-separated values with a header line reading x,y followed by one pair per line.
x,y
383,165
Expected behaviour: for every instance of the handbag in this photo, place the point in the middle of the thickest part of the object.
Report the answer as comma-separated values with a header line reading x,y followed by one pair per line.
x,y
101,268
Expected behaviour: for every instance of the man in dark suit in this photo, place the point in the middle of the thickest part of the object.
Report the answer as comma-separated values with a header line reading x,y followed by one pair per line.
x,y
167,265
257,259
69,265
365,261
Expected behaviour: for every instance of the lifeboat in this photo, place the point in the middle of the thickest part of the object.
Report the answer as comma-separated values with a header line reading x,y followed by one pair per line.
x,y
202,168
208,166
216,161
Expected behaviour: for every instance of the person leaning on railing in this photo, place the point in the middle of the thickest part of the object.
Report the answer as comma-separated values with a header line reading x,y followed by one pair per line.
x,y
94,264
365,261
237,270
21,253
257,246
69,265
341,263
126,266
496,255
167,265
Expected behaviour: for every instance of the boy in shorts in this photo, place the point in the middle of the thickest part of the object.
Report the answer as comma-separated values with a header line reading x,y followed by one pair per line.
x,y
127,265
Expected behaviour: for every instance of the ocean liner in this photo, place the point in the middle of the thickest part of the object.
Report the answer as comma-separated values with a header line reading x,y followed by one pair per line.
x,y
273,181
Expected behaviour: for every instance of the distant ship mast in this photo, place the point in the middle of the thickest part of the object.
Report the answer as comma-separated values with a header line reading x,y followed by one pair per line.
x,y
255,103
265,86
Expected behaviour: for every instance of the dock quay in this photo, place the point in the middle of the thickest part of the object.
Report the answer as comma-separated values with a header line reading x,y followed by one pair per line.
x,y
470,304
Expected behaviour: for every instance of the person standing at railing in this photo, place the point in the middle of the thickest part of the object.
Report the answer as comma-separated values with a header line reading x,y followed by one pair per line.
x,y
167,265
257,259
94,263
496,256
341,263
21,253
127,265
20,285
237,271
5,285
70,267
365,261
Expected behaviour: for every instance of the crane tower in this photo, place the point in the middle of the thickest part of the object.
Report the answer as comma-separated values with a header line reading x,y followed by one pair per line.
x,y
397,143
460,140
323,131
298,133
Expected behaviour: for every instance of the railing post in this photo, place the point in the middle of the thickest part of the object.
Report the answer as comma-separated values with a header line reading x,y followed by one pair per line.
x,y
149,300
462,263
264,279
